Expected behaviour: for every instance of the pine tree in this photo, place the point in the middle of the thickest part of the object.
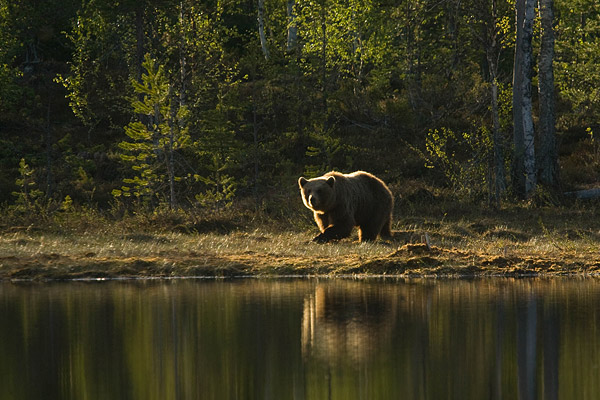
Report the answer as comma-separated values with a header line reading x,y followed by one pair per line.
x,y
218,150
28,196
154,143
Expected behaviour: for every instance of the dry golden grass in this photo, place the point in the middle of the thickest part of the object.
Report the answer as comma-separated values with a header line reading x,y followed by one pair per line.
x,y
450,241
175,254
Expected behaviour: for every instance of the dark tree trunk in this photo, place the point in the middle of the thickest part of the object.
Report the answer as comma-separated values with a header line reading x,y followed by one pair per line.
x,y
49,159
256,155
547,161
551,349
182,55
528,129
139,35
499,176
518,164
324,62
492,53
140,53
524,173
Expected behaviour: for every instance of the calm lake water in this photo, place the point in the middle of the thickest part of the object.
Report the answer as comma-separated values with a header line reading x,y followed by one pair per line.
x,y
301,339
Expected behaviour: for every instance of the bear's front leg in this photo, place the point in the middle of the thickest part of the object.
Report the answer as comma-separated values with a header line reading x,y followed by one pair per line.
x,y
334,232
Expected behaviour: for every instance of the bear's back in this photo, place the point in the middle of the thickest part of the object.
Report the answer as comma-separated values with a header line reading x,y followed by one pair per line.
x,y
360,191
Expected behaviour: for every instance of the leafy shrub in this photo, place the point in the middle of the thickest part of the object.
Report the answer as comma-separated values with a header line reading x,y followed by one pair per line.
x,y
464,159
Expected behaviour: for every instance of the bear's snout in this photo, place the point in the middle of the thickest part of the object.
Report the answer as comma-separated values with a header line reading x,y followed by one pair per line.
x,y
315,202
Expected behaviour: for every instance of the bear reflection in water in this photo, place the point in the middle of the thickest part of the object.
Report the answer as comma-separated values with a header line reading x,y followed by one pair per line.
x,y
339,324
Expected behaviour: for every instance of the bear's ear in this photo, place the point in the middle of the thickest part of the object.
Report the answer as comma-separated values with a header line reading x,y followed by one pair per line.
x,y
330,181
302,181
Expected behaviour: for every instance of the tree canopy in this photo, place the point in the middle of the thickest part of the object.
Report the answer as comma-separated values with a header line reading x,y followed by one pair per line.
x,y
194,103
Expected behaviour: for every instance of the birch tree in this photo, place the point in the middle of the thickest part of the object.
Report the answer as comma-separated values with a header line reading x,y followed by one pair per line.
x,y
547,160
261,28
292,30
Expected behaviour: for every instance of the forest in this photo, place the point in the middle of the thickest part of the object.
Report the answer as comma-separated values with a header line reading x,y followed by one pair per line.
x,y
147,104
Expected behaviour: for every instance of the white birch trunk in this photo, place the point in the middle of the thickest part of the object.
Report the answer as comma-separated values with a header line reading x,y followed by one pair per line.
x,y
261,28
292,30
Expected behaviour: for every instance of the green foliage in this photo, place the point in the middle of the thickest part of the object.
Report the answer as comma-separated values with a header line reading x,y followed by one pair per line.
x,y
220,186
10,90
464,159
344,36
577,64
505,106
153,145
218,149
366,82
67,204
582,167
99,71
327,153
28,197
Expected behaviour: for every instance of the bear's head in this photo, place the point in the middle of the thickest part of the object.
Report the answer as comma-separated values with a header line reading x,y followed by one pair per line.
x,y
318,194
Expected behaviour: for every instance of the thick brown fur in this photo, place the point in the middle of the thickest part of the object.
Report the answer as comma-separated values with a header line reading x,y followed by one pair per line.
x,y
342,201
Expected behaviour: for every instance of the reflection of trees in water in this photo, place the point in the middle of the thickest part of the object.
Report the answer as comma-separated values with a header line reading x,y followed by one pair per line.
x,y
473,339
347,322
428,339
537,321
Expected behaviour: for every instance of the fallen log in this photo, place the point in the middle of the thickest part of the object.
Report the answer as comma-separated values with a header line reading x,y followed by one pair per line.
x,y
584,194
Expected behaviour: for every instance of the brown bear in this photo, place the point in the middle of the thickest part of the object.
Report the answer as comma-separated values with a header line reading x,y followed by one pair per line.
x,y
342,201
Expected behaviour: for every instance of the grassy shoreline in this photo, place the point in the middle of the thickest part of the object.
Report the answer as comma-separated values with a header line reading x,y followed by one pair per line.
x,y
462,243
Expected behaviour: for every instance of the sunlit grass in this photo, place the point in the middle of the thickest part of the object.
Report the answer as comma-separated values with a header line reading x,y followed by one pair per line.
x,y
527,240
166,245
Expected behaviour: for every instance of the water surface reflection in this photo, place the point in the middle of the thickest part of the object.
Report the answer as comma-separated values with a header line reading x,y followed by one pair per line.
x,y
301,339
